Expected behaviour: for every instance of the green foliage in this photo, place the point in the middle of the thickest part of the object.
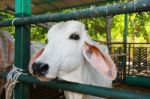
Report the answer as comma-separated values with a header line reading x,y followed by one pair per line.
x,y
138,28
96,28
117,28
38,34
5,16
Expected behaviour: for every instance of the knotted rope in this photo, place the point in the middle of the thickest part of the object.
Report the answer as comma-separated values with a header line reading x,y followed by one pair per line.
x,y
12,80
12,23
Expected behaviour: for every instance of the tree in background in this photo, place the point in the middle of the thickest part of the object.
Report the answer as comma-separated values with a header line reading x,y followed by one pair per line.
x,y
108,31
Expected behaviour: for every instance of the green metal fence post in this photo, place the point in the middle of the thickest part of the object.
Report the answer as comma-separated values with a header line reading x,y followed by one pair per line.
x,y
125,43
22,46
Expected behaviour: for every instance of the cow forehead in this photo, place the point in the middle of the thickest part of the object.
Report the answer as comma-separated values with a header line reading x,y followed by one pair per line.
x,y
67,28
74,24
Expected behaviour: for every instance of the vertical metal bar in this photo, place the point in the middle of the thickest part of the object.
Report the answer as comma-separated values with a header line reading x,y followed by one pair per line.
x,y
146,60
125,42
129,59
22,46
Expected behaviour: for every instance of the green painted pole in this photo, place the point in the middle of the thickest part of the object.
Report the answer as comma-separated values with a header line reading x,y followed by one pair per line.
x,y
82,88
113,9
125,33
142,81
22,46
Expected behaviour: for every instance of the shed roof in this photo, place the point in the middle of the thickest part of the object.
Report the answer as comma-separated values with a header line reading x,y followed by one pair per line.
x,y
42,6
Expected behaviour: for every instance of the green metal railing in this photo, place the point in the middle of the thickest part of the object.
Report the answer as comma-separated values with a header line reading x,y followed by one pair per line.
x,y
137,67
129,7
82,88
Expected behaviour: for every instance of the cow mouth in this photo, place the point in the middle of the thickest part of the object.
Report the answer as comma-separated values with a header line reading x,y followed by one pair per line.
x,y
43,78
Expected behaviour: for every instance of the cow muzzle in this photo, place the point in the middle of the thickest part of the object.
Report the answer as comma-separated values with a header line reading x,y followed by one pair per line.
x,y
40,69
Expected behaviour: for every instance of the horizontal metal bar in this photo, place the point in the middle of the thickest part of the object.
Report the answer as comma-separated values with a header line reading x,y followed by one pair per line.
x,y
122,43
138,81
113,9
82,88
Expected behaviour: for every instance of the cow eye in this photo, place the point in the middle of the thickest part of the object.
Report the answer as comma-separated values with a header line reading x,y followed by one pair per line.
x,y
74,36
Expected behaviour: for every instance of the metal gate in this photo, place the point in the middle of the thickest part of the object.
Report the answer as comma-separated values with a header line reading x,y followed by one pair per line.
x,y
137,59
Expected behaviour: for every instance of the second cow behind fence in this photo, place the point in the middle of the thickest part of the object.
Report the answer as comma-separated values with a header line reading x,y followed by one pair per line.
x,y
72,56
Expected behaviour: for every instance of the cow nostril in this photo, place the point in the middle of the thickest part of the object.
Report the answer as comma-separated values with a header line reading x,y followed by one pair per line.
x,y
43,69
40,68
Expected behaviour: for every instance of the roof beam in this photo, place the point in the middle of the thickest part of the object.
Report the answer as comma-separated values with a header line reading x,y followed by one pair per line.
x,y
80,5
45,1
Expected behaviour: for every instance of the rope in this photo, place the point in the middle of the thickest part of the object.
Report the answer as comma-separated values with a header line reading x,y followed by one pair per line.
x,y
12,23
12,78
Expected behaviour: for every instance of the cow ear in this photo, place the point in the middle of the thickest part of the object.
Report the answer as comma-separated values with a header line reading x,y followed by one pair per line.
x,y
100,60
33,58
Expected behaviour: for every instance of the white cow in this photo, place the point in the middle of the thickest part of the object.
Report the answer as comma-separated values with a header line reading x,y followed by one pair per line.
x,y
72,56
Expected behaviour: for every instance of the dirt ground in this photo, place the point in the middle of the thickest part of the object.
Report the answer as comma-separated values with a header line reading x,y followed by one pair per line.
x,y
131,88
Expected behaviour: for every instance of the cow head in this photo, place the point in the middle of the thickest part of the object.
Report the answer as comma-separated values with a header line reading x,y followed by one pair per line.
x,y
69,46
